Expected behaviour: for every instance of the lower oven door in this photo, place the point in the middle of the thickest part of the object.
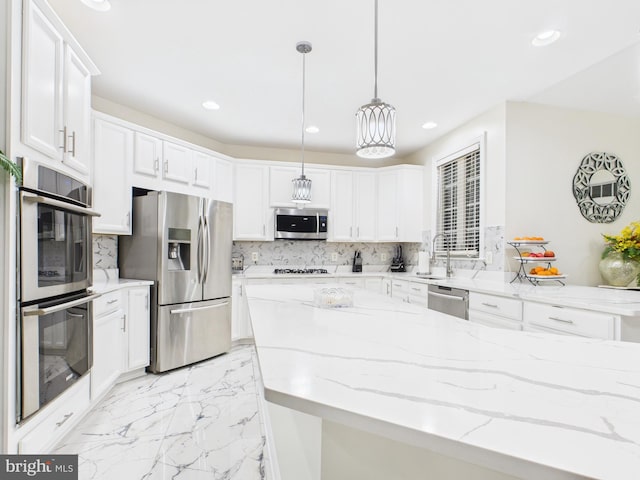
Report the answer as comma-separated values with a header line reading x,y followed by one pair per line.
x,y
55,349
55,245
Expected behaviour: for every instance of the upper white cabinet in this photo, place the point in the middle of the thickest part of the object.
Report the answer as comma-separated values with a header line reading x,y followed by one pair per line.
x,y
176,162
280,187
56,89
202,167
148,151
364,206
252,217
400,204
341,211
112,156
223,180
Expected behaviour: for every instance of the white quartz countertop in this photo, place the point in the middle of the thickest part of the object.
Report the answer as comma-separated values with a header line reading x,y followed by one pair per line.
x,y
528,404
105,281
618,302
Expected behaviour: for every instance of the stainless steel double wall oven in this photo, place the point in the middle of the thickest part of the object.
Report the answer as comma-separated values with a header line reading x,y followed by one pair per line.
x,y
54,328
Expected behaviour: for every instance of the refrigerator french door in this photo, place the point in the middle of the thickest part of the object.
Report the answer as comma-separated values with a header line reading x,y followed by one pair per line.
x,y
183,244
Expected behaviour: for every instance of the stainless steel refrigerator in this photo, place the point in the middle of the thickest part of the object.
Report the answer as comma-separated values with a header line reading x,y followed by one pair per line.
x,y
182,243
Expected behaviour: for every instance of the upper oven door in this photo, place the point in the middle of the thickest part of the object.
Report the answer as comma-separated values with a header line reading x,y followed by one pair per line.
x,y
55,256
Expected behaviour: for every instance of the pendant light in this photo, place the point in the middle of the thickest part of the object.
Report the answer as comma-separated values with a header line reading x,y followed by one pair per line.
x,y
376,121
302,185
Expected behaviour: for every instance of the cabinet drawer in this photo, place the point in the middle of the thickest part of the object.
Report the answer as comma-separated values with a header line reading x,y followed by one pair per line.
x,y
399,288
107,303
568,320
354,282
67,410
504,307
418,289
495,321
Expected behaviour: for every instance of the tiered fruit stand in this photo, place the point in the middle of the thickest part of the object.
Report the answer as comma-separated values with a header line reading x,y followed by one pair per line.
x,y
523,273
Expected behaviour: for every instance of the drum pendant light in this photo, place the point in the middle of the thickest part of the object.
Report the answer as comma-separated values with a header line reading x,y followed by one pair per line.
x,y
302,185
376,121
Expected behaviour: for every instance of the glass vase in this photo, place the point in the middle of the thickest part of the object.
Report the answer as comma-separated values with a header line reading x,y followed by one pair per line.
x,y
617,270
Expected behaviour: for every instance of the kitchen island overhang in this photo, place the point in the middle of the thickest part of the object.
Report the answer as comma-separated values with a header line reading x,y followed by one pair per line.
x,y
529,405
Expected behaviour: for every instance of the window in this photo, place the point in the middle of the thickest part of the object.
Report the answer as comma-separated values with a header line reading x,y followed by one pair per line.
x,y
459,205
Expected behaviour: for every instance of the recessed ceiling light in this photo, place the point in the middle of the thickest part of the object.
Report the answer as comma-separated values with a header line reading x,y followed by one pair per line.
x,y
210,105
312,129
100,5
545,38
429,125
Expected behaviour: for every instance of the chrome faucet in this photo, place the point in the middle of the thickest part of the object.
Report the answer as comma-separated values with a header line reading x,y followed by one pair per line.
x,y
448,246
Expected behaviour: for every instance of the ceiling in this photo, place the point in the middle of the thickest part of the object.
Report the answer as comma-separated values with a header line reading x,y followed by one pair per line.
x,y
442,61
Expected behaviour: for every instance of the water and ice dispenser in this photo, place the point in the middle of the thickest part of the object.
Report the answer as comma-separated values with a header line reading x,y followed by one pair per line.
x,y
179,249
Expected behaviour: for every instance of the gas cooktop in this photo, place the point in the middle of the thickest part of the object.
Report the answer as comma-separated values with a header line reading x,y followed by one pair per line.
x,y
303,271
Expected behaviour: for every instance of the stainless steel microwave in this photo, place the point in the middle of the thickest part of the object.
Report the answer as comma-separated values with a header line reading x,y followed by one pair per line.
x,y
301,223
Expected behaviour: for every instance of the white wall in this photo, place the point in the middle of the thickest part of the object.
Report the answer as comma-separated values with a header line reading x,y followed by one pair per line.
x,y
493,123
545,146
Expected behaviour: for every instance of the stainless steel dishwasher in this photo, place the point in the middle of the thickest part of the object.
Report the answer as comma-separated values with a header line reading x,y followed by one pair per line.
x,y
453,301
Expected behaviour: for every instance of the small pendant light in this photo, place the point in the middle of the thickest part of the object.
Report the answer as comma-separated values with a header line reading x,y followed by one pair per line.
x,y
376,121
302,185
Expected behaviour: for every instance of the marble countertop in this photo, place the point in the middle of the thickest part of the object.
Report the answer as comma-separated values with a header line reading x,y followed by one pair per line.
x,y
528,404
107,280
618,302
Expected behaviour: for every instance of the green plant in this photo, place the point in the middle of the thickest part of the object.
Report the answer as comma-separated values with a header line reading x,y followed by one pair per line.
x,y
627,242
10,167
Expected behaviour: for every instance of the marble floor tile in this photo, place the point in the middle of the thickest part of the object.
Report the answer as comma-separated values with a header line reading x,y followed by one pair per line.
x,y
198,422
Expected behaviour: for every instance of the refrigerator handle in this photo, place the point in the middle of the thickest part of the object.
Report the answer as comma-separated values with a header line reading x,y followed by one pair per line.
x,y
207,250
199,250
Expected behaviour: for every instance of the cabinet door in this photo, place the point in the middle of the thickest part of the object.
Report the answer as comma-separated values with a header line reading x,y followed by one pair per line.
x,y
42,84
240,322
147,153
373,284
137,328
177,162
495,321
387,208
365,206
223,180
113,152
108,351
250,214
77,112
202,167
341,228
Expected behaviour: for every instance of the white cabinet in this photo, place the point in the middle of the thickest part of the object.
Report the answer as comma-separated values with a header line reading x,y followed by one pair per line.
x,y
495,311
147,154
56,90
240,321
136,329
386,287
252,218
223,180
203,165
357,282
410,292
364,206
540,317
176,162
112,157
400,204
373,284
341,209
280,187
108,342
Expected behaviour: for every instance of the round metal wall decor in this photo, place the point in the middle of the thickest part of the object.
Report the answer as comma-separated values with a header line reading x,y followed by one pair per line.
x,y
601,187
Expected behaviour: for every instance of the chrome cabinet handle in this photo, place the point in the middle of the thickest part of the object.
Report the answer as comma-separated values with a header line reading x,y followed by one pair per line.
x,y
561,320
264,230
128,219
350,231
415,289
64,139
73,143
196,178
156,164
492,305
396,232
358,232
110,302
124,322
64,419
166,166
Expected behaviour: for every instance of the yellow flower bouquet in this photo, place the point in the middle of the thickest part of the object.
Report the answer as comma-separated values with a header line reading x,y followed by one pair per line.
x,y
620,263
627,242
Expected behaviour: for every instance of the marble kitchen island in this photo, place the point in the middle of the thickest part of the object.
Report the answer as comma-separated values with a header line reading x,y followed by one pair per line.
x,y
392,384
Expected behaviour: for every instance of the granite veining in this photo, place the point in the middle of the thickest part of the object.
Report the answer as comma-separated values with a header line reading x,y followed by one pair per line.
x,y
105,251
202,421
523,403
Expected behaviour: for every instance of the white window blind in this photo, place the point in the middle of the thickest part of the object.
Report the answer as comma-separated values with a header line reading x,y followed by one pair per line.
x,y
458,214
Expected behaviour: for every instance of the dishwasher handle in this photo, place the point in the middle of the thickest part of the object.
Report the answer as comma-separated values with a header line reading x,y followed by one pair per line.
x,y
449,297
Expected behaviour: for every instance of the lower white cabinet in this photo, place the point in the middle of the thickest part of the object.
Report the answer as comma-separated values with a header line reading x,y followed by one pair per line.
x,y
495,311
108,342
410,292
240,321
351,281
540,317
137,329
